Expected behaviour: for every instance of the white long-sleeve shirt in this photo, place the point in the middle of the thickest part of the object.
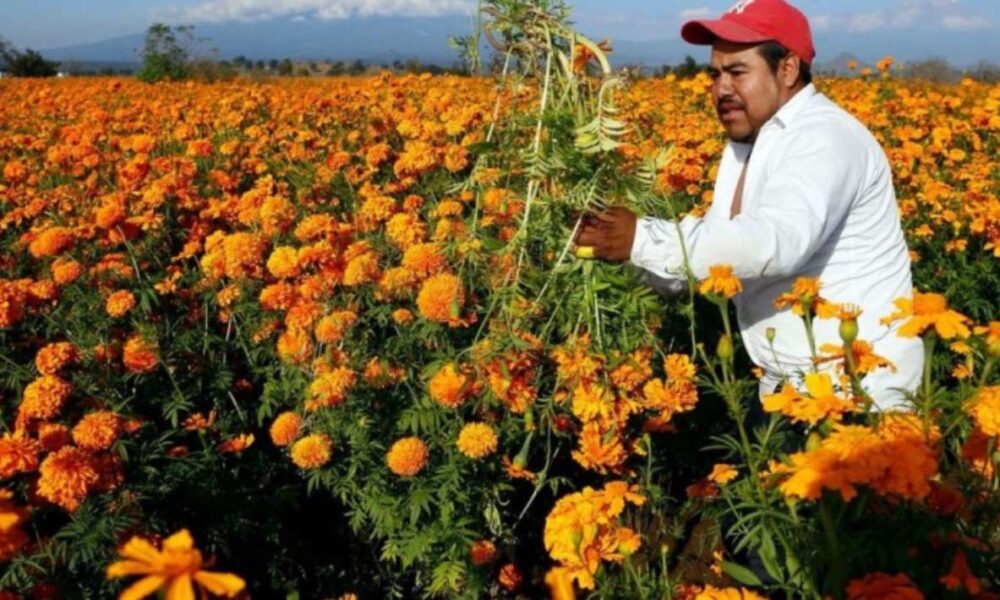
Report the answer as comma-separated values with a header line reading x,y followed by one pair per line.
x,y
818,201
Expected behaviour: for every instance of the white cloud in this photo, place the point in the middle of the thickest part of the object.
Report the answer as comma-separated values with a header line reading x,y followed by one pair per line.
x,y
701,12
905,14
965,23
250,10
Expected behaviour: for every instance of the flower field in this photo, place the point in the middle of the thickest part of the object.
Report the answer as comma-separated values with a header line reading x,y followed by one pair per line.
x,y
315,338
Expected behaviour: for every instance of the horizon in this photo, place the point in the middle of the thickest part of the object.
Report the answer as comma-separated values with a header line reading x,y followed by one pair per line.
x,y
865,29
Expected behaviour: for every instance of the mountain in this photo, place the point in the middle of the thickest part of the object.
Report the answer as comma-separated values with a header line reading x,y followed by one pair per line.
x,y
371,39
387,39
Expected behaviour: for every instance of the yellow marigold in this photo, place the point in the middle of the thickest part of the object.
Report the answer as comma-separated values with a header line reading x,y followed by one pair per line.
x,y
449,387
991,335
723,474
330,389
119,303
985,410
43,398
66,477
175,568
582,529
284,262
18,454
821,403
714,593
312,451
477,440
407,456
51,358
805,295
97,430
862,353
52,241
332,328
361,270
679,368
295,346
924,311
139,355
285,428
482,552
882,586
441,299
720,282
405,230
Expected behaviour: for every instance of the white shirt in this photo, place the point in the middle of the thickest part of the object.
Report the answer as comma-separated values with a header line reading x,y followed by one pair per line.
x,y
818,201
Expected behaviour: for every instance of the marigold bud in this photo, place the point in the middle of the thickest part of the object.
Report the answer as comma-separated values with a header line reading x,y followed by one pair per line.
x,y
770,333
725,348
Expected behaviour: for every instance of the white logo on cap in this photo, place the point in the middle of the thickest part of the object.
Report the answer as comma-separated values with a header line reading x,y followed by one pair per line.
x,y
741,6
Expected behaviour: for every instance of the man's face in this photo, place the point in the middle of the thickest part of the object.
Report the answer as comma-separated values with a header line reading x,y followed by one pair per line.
x,y
745,90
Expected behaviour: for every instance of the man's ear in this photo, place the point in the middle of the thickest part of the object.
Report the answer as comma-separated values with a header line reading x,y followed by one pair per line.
x,y
790,69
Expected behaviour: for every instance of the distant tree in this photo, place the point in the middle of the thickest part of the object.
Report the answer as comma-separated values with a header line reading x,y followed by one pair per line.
x,y
357,67
164,57
29,64
242,62
6,51
336,68
934,69
286,67
272,64
259,65
687,69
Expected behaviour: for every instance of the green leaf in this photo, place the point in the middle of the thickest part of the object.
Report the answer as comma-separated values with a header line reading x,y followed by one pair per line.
x,y
741,574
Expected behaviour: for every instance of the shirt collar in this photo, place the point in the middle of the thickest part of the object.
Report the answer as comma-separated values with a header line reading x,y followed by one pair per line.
x,y
787,113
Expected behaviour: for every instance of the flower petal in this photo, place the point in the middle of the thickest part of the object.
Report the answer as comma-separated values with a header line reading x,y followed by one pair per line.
x,y
142,588
220,584
129,567
179,541
180,588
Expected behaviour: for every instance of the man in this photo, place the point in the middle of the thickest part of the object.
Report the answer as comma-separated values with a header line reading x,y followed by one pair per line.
x,y
803,190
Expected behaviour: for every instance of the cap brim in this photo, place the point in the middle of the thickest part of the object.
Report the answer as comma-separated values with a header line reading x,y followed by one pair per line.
x,y
706,32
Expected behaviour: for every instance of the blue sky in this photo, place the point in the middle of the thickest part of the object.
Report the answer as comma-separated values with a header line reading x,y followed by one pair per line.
x,y
54,23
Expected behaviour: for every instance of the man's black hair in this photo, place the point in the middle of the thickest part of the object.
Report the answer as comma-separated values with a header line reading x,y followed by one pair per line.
x,y
774,53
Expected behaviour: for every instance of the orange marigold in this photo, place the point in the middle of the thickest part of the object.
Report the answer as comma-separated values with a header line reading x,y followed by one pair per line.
x,y
66,477
331,328
720,282
51,358
985,410
482,552
285,428
924,311
119,303
477,440
407,456
18,454
714,593
449,387
97,430
330,389
822,401
441,298
52,241
881,586
43,398
140,355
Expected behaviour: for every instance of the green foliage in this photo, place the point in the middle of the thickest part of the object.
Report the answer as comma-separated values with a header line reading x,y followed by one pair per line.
x,y
165,55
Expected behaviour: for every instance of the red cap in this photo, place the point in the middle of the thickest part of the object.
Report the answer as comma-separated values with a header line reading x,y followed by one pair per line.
x,y
755,21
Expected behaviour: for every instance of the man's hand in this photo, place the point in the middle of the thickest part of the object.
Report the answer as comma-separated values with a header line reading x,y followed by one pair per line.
x,y
610,233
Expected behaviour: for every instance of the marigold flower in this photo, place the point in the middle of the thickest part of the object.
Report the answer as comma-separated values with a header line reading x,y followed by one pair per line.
x,y
235,444
312,451
723,474
140,355
510,577
53,436
985,410
66,477
285,428
713,593
332,328
97,430
805,295
477,440
330,389
65,271
402,316
407,456
295,346
12,538
284,262
924,311
52,241
441,298
482,552
449,387
119,303
43,398
175,568
18,454
720,282
821,403
881,586
600,450
51,358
